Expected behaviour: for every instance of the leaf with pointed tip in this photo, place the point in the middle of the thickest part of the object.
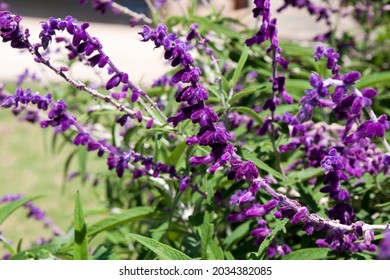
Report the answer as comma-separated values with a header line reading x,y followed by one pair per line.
x,y
162,251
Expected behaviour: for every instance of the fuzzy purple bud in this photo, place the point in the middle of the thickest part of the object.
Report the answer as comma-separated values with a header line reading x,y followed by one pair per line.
x,y
351,77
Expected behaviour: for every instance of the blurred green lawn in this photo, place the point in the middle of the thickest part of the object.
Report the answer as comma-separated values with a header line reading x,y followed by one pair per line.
x,y
28,168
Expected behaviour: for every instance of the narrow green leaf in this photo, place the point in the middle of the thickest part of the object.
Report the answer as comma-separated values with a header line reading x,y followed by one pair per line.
x,y
249,112
240,66
7,246
262,165
309,173
296,84
308,254
214,250
373,80
80,231
280,224
119,219
241,231
176,154
82,156
383,205
67,167
206,231
10,207
229,256
245,92
163,251
54,248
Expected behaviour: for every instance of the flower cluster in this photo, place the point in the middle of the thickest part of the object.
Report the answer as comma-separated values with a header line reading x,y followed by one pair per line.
x,y
194,108
341,151
346,101
269,31
58,116
10,30
83,44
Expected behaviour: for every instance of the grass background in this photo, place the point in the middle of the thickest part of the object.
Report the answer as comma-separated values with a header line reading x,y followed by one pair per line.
x,y
27,166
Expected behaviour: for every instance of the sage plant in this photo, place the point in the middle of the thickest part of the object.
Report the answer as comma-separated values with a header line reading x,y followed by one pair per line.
x,y
227,151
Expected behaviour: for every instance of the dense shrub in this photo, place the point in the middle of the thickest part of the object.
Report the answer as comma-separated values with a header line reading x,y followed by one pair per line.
x,y
250,147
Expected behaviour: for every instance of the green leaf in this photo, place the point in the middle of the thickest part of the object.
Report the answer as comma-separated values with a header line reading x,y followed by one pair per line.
x,y
67,167
245,92
249,112
176,154
280,224
80,231
298,85
373,80
214,250
82,156
240,66
308,173
206,234
10,207
240,232
308,254
361,256
39,252
383,205
163,251
262,165
119,219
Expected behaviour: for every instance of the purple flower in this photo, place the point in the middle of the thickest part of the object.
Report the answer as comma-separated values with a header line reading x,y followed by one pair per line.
x,y
149,124
255,210
332,59
119,163
384,247
10,30
370,129
158,4
240,169
192,94
351,77
280,250
184,183
299,215
262,9
81,139
342,212
113,81
241,197
332,162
